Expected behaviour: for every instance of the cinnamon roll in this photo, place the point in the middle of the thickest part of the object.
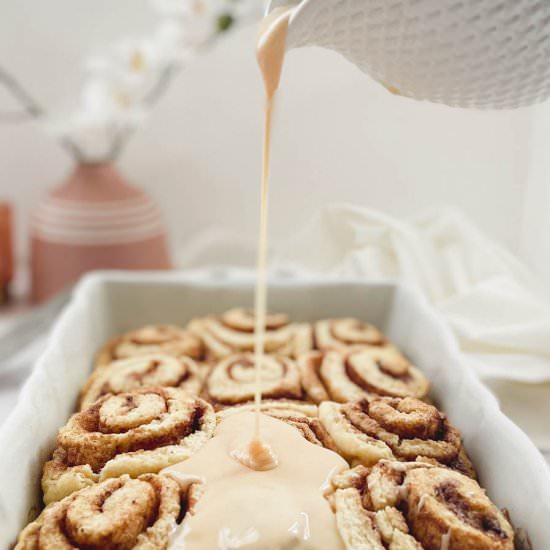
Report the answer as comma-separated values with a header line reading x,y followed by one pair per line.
x,y
131,433
167,339
303,416
346,334
416,506
273,407
233,332
233,381
143,371
366,431
363,373
121,513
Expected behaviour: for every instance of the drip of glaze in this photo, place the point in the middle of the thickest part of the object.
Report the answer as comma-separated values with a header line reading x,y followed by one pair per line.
x,y
446,540
256,454
421,503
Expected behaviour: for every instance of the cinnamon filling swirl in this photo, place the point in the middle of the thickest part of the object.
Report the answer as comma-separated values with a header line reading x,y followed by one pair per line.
x,y
166,339
356,395
449,493
385,371
311,428
363,373
120,514
133,433
147,371
233,332
232,380
347,334
422,506
243,320
302,416
366,431
440,502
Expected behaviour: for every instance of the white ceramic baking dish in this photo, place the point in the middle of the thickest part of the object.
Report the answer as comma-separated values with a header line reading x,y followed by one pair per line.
x,y
105,304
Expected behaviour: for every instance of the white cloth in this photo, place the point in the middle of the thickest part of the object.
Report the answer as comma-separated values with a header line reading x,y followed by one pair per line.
x,y
496,308
498,311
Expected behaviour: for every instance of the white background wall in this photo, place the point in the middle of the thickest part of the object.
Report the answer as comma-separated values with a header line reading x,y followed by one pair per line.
x,y
339,136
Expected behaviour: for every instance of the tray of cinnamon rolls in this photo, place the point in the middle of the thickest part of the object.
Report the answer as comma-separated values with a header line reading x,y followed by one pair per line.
x,y
144,371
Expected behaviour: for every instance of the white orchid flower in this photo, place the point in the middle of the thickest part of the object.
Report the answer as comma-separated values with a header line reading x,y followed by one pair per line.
x,y
207,8
171,41
132,66
198,18
103,113
103,99
183,8
202,20
124,82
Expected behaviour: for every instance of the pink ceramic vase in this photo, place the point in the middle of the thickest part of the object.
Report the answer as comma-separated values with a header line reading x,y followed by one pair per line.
x,y
95,220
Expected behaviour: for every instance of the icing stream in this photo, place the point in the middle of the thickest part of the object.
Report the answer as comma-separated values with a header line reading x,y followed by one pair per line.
x,y
264,492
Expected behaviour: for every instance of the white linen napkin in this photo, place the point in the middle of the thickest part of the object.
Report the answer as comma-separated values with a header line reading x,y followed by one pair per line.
x,y
497,309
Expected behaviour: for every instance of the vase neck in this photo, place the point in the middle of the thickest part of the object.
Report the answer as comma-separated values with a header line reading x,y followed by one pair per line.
x,y
96,182
95,171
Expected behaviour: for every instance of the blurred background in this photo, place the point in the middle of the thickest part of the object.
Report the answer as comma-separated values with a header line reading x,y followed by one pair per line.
x,y
339,137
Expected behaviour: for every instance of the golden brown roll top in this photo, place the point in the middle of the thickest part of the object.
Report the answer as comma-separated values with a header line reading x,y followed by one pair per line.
x,y
363,373
233,332
274,407
446,505
416,506
120,514
233,380
167,339
366,431
356,394
345,335
302,416
130,433
143,371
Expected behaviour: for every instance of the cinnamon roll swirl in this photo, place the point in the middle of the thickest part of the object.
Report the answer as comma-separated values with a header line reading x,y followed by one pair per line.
x,y
346,334
167,339
303,416
273,407
310,427
131,433
366,431
416,506
233,332
121,513
233,381
363,373
143,371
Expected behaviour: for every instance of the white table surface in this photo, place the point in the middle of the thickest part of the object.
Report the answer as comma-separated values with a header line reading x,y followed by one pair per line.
x,y
527,405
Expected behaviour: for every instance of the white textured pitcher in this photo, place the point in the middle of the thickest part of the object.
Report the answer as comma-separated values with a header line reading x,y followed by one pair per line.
x,y
467,53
